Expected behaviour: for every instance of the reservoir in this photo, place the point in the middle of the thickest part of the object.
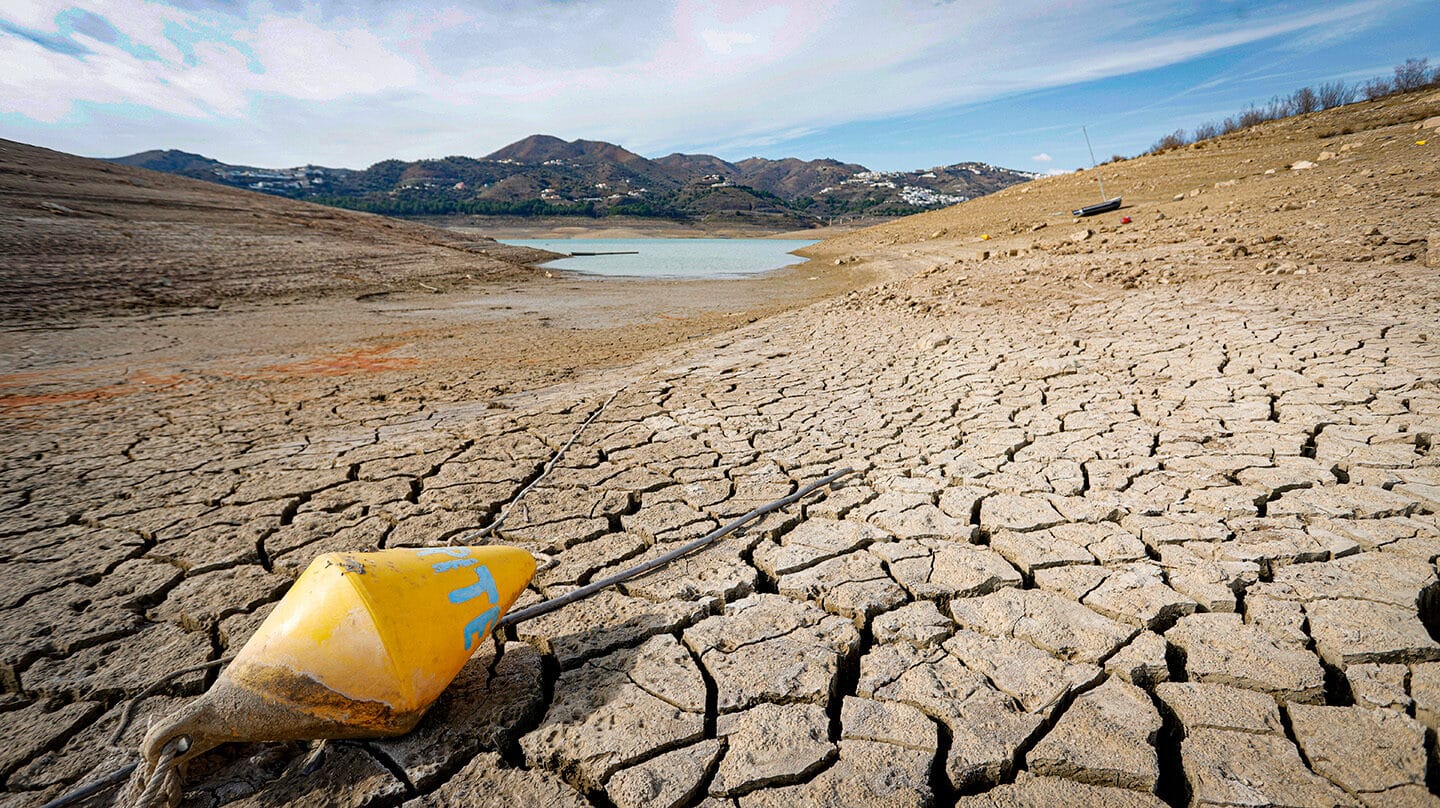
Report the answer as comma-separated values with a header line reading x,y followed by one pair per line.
x,y
693,258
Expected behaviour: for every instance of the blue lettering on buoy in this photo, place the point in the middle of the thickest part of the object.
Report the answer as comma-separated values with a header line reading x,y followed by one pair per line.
x,y
453,564
485,585
478,628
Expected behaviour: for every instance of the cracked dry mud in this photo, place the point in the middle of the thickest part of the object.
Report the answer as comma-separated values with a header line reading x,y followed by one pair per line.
x,y
1165,538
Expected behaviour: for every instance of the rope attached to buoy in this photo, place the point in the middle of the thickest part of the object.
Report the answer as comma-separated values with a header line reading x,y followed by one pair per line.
x,y
161,786
126,716
531,612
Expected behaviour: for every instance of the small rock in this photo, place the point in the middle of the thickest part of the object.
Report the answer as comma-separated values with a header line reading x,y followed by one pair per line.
x,y
1301,165
1081,235
930,342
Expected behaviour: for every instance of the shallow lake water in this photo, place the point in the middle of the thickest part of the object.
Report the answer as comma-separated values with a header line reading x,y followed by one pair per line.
x,y
672,257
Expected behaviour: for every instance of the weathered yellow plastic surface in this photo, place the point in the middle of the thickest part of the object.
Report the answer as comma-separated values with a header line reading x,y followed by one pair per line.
x,y
359,647
393,626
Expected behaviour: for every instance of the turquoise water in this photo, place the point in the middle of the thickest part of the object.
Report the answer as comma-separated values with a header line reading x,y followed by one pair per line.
x,y
672,257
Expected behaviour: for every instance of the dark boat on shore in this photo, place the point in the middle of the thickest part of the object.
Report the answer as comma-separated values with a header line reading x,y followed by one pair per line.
x,y
1105,205
1099,207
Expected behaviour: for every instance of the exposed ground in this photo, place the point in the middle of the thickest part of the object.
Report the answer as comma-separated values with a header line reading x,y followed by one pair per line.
x,y
1146,512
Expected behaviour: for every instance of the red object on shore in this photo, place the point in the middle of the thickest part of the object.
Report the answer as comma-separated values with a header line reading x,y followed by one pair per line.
x,y
1124,220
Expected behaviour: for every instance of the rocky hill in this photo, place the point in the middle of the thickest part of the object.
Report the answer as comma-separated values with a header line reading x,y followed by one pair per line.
x,y
82,235
542,174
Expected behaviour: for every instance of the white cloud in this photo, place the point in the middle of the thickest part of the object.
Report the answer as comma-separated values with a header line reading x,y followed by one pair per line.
x,y
303,83
1042,157
305,61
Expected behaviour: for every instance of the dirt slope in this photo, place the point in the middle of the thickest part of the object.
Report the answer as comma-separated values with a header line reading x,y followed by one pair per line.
x,y
80,235
1233,204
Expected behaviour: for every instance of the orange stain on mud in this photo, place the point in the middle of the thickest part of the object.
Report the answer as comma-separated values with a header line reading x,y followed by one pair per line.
x,y
343,363
141,382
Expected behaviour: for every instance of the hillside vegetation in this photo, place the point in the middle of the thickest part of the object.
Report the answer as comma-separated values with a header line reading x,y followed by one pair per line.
x,y
546,176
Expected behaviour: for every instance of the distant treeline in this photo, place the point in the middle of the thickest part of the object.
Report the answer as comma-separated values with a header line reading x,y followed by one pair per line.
x,y
1413,74
387,205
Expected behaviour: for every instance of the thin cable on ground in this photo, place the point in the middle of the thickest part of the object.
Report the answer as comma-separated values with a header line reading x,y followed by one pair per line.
x,y
108,781
505,512
128,713
126,716
661,560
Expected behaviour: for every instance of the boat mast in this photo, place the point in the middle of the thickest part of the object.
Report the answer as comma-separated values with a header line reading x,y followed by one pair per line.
x,y
1093,166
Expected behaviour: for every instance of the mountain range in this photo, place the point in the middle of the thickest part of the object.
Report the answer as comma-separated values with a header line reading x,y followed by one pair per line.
x,y
544,175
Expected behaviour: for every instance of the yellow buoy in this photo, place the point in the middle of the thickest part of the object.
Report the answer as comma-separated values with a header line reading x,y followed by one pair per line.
x,y
358,648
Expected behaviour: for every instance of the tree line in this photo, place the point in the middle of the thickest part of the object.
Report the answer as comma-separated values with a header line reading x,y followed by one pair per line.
x,y
1412,74
386,205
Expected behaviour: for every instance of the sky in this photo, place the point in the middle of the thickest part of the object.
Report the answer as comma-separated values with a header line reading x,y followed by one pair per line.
x,y
894,85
